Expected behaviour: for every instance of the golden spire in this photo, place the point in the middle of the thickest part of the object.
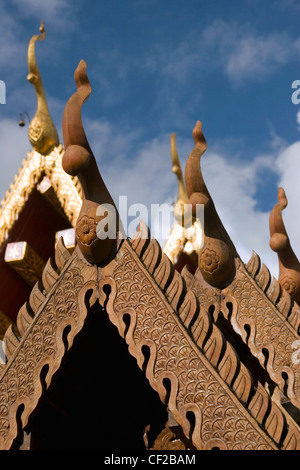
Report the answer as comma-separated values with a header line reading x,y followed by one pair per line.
x,y
182,195
187,234
42,133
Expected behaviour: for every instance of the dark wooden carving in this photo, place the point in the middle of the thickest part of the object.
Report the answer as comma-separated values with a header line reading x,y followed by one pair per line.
x,y
216,257
78,160
167,440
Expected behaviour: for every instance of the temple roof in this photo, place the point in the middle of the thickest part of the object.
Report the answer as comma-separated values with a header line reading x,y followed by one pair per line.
x,y
220,346
41,201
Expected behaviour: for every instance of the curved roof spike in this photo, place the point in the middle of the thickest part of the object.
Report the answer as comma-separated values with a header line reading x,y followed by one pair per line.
x,y
198,137
216,257
42,133
72,127
289,266
97,228
194,182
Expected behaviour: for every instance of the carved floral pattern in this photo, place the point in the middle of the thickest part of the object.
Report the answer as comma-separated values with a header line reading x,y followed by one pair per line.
x,y
86,229
35,131
209,260
289,285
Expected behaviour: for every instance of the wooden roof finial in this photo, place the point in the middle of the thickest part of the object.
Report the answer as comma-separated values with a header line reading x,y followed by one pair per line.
x,y
289,266
216,257
98,222
42,132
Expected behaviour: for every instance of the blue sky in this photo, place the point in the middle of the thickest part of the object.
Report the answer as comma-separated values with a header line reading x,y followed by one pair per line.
x,y
157,67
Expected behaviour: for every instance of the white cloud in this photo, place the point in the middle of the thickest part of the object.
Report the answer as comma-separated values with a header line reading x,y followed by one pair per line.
x,y
14,147
58,13
174,64
256,57
245,55
240,52
11,44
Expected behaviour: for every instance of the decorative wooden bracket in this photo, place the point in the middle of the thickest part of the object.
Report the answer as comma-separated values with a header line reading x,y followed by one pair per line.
x,y
216,257
98,222
289,266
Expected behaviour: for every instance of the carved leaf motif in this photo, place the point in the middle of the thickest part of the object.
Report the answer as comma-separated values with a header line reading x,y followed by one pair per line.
x,y
11,342
275,423
243,384
259,404
274,291
62,255
36,298
24,319
263,278
49,276
187,276
164,273
176,290
214,346
229,364
253,264
141,239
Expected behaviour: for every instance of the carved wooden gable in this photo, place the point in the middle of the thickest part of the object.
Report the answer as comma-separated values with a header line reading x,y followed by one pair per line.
x,y
218,347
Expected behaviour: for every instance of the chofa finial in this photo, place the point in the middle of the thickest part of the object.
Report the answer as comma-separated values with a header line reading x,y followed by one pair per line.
x,y
289,266
95,239
42,132
216,257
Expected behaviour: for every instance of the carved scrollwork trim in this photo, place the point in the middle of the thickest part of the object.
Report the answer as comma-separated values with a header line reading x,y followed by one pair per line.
x,y
265,317
39,344
182,362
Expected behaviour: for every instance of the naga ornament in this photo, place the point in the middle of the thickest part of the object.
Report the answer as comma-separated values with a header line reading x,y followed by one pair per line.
x,y
97,228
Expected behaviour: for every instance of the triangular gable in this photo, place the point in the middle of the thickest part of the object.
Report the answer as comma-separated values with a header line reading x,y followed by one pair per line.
x,y
33,170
